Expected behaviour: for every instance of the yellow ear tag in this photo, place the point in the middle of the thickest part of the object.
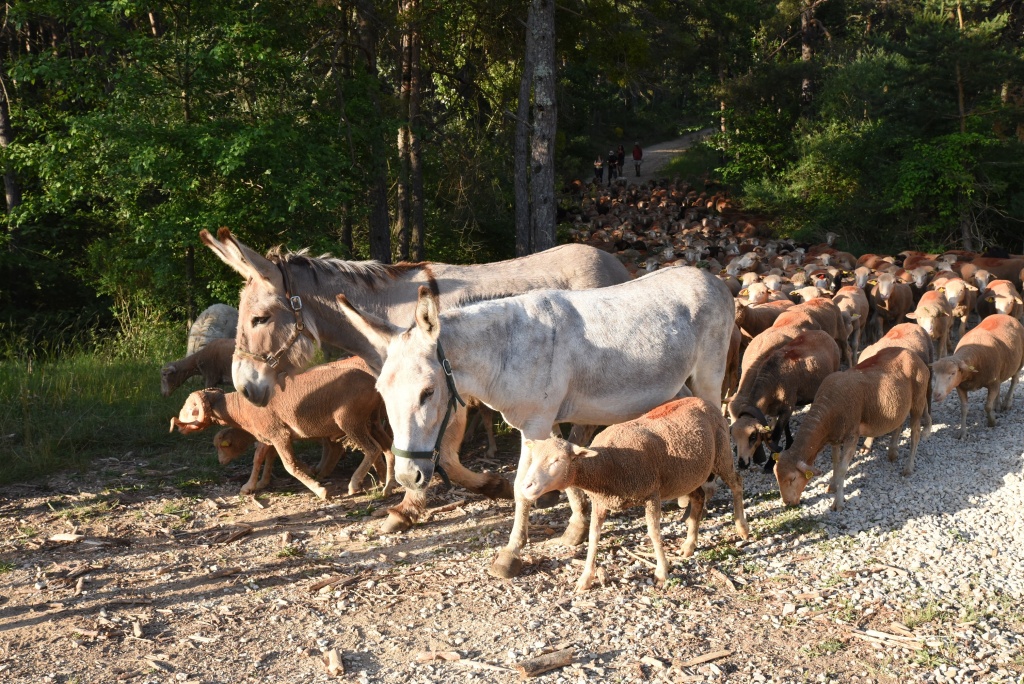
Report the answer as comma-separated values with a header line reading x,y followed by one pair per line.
x,y
775,456
225,444
809,474
990,299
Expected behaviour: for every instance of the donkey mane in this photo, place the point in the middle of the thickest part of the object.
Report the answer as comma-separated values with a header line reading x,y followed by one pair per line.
x,y
369,272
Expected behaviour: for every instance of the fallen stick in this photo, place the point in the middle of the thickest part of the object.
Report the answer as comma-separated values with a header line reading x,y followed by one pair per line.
x,y
443,509
726,580
224,572
237,534
896,637
706,658
639,558
332,662
534,667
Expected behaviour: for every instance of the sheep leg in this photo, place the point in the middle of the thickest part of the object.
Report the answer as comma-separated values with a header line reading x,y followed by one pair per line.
x,y
848,449
962,393
298,470
697,503
508,563
597,517
487,418
894,439
383,438
990,403
836,452
1008,399
652,508
329,458
360,436
734,481
915,439
264,457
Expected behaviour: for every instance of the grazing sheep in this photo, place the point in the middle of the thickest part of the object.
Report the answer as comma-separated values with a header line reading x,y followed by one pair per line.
x,y
216,322
786,378
333,401
669,453
212,361
962,299
985,357
822,314
870,400
934,314
852,302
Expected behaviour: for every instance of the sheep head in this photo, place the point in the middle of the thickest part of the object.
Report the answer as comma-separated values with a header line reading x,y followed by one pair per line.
x,y
793,473
947,374
552,464
231,443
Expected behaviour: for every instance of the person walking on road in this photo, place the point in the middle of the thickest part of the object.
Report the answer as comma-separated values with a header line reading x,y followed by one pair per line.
x,y
620,160
598,169
638,157
611,162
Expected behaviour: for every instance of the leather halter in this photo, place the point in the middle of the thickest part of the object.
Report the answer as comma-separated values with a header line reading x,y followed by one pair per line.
x,y
454,400
272,359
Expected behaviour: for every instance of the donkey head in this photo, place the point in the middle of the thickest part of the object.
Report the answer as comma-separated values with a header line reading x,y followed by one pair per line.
x,y
412,383
267,342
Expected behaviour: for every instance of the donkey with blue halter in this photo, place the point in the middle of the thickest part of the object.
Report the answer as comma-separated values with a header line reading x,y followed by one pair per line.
x,y
289,307
591,357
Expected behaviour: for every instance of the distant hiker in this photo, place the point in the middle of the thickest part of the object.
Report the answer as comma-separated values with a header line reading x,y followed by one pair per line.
x,y
612,161
598,169
620,160
638,157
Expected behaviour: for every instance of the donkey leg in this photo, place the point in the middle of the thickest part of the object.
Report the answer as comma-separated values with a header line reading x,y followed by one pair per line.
x,y
402,516
491,485
508,563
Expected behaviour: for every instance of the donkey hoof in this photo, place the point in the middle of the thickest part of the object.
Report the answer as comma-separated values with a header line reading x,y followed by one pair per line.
x,y
548,500
498,488
506,565
395,523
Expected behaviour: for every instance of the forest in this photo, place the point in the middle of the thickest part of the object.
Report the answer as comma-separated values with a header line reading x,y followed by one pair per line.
x,y
389,131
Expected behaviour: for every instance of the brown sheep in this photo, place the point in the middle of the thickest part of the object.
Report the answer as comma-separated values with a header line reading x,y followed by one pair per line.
x,y
753,320
668,453
891,301
786,378
819,313
1000,297
852,301
934,314
332,401
213,362
873,399
985,357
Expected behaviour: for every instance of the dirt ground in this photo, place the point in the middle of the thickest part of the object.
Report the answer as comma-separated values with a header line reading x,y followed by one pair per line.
x,y
168,579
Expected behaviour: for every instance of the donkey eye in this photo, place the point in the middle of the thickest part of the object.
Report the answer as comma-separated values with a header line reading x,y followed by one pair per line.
x,y
753,437
427,393
260,320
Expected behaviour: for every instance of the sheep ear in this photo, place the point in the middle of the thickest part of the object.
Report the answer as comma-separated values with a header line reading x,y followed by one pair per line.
x,y
775,456
854,317
225,443
941,289
248,263
990,299
743,292
583,452
943,313
377,332
428,313
872,282
911,315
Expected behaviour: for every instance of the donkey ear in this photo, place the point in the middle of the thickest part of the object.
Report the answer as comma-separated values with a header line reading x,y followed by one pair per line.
x,y
427,313
247,262
376,332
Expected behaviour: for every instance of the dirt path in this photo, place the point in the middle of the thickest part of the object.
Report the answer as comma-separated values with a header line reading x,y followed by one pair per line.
x,y
657,156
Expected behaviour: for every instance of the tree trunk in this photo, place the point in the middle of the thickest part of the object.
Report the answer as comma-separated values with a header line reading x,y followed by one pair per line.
x,y
12,189
806,52
545,119
418,237
520,150
402,218
380,221
190,283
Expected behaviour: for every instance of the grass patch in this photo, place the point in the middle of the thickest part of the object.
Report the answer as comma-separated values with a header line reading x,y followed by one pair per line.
x,y
723,553
826,647
913,618
64,413
789,521
6,567
291,551
95,509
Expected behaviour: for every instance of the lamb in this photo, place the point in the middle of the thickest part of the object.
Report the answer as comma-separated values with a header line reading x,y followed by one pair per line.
x,y
986,355
213,362
669,453
934,314
873,399
962,299
332,401
786,378
216,322
891,300
852,302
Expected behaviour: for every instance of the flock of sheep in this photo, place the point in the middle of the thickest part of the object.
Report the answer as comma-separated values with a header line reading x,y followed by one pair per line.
x,y
759,328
